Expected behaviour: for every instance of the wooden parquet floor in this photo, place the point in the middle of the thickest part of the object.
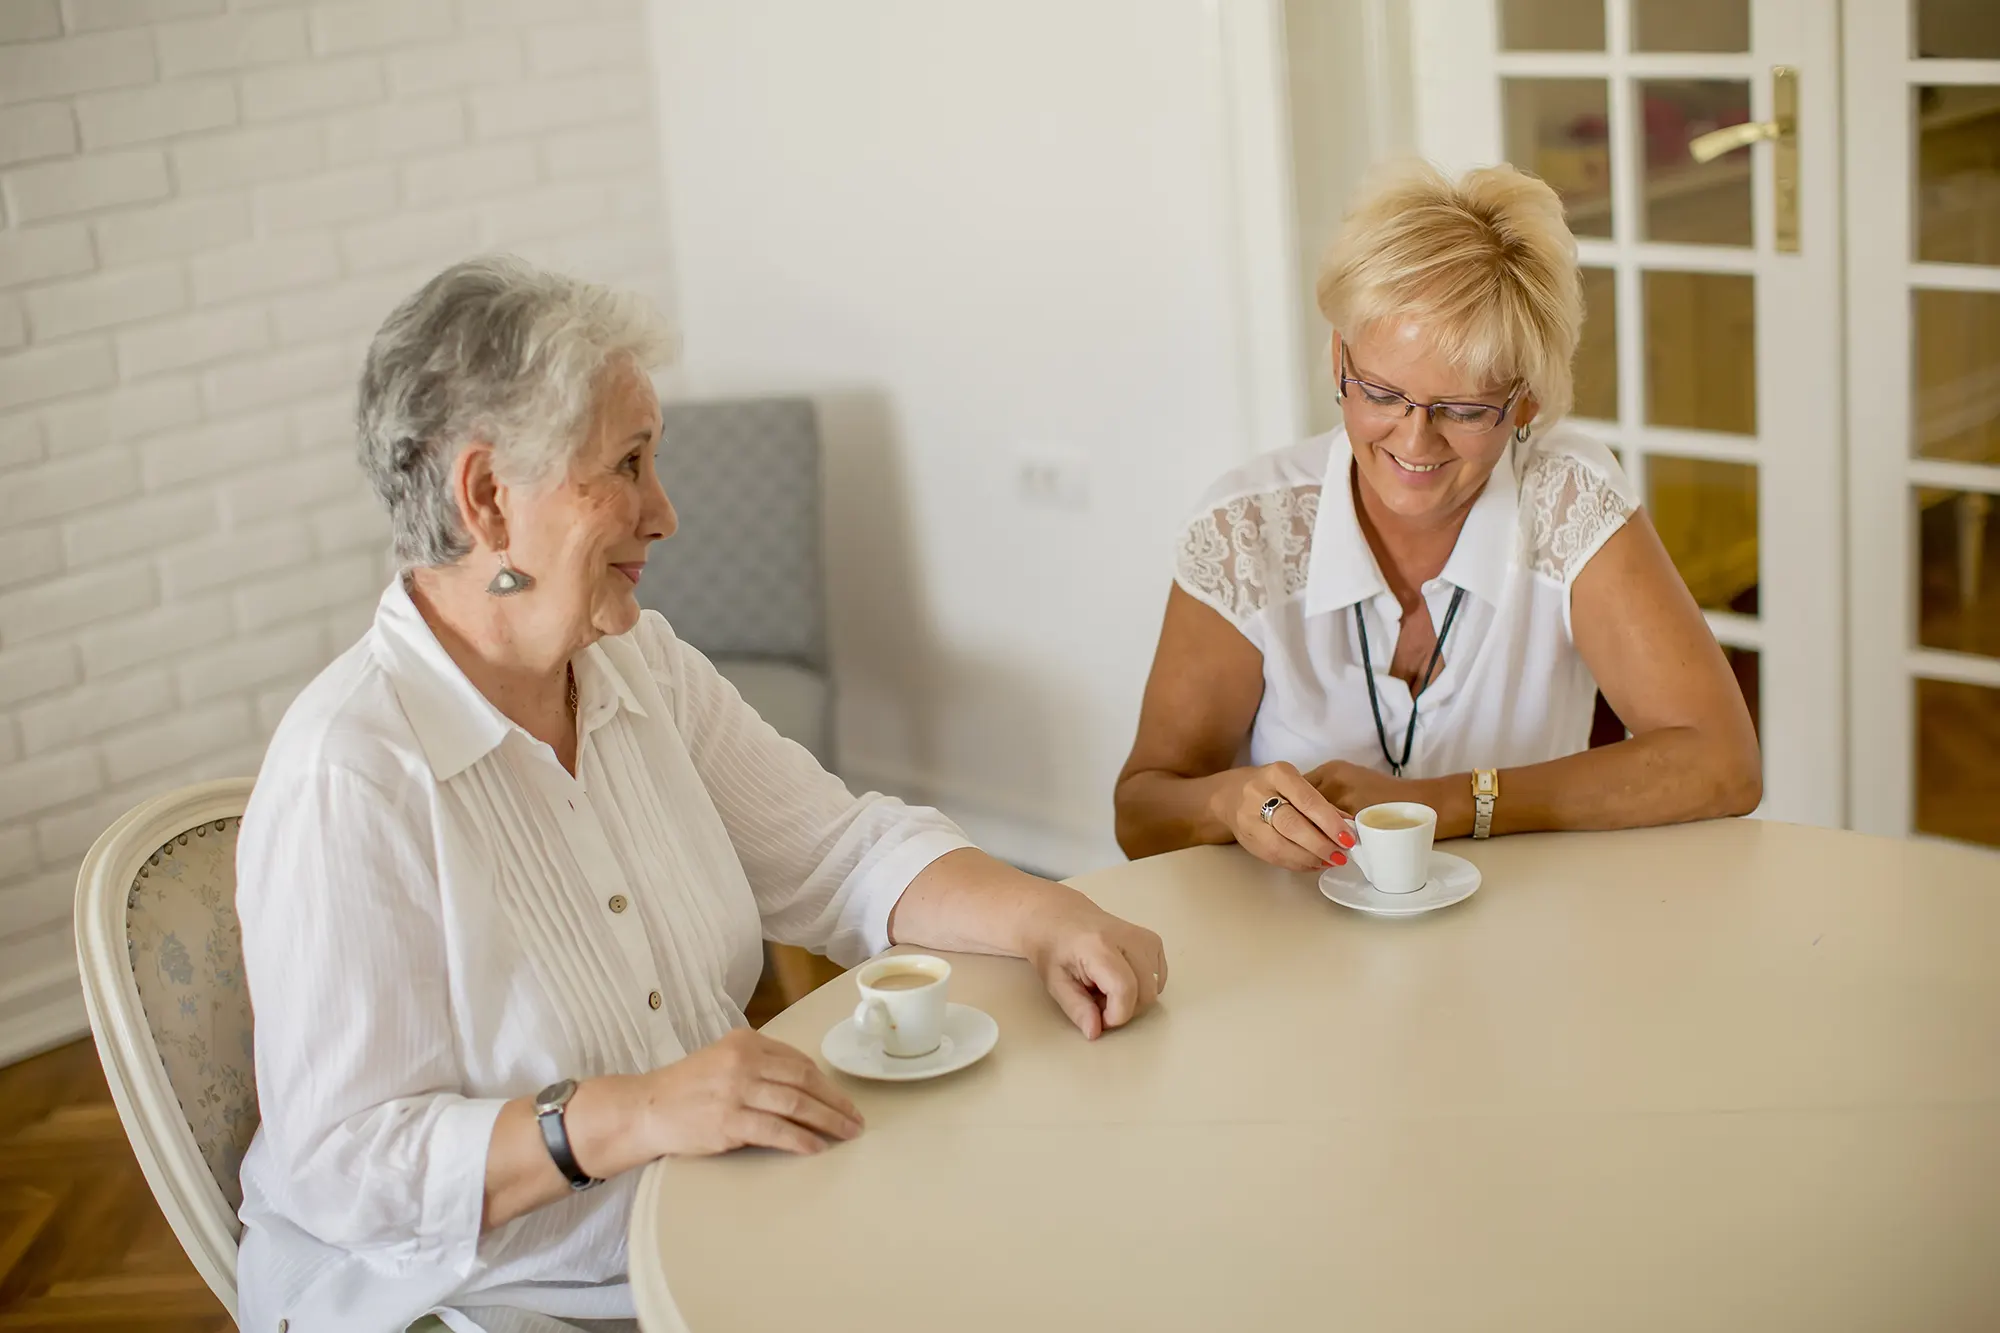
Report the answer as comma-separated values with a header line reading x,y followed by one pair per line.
x,y
83,1247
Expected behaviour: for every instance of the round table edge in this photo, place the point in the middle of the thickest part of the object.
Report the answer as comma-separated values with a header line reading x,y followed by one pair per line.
x,y
651,1298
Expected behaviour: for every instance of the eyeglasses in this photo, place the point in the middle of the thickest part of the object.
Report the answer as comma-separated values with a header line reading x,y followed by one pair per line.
x,y
1377,403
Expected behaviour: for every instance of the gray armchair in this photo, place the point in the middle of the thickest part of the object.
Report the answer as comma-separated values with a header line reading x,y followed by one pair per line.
x,y
743,579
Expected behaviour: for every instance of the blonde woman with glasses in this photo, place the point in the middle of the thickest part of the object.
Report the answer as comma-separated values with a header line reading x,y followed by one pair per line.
x,y
1424,603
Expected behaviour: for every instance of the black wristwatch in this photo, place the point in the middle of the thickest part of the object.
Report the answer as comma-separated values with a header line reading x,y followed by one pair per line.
x,y
549,1105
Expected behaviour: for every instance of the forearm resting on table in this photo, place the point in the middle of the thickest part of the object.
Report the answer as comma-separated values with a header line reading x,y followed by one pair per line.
x,y
967,902
1669,776
1161,811
964,901
605,1120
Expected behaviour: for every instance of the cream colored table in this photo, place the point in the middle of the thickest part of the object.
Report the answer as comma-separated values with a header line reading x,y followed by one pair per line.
x,y
1732,1076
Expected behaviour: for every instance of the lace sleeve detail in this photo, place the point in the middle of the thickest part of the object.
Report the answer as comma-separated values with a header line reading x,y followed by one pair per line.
x,y
1571,509
1249,552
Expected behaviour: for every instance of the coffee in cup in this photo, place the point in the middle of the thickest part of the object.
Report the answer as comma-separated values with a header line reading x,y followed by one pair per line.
x,y
1395,847
903,1003
903,980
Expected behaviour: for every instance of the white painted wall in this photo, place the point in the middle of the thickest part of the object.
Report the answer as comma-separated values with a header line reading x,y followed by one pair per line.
x,y
981,234
203,215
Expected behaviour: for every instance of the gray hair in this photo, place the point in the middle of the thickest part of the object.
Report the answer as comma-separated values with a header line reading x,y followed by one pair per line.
x,y
491,349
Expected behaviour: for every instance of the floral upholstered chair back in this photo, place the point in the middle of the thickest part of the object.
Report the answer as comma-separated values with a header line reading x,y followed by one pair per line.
x,y
187,959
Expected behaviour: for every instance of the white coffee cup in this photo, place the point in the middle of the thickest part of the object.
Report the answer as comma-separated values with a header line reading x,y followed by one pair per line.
x,y
1395,850
903,1002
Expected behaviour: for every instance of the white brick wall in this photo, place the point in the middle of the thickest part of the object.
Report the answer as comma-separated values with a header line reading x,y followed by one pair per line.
x,y
40,129
82,184
206,207
158,111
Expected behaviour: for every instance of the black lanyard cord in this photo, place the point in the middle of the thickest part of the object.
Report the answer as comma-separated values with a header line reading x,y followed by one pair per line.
x,y
1375,704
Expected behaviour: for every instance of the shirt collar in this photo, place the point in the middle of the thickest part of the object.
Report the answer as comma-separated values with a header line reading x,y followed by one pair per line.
x,y
1485,550
1343,570
456,724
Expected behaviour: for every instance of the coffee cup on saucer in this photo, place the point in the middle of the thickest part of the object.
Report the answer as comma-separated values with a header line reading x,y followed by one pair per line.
x,y
903,1003
1395,845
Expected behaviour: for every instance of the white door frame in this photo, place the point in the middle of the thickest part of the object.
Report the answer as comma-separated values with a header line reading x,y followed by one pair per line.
x,y
1881,271
1800,447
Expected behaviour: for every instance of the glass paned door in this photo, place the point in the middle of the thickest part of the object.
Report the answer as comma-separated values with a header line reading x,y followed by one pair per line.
x,y
1923,200
1710,357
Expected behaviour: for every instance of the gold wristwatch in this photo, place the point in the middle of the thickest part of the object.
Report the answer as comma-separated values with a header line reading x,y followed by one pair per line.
x,y
1485,791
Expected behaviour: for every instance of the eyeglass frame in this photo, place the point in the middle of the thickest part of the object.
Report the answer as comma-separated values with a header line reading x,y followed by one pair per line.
x,y
1429,410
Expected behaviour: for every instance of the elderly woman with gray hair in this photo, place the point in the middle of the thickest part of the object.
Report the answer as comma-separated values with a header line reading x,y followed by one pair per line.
x,y
509,862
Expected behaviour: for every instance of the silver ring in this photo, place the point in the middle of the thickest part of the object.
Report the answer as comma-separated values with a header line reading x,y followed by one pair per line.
x,y
1270,808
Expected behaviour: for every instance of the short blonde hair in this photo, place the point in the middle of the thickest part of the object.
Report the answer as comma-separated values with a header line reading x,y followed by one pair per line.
x,y
1485,263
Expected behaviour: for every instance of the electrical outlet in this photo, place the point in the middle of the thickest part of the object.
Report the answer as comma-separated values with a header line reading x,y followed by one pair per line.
x,y
1054,483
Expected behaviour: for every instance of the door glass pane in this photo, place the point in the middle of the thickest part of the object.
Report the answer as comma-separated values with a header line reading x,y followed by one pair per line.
x,y
1958,173
1956,397
1701,350
1597,354
1958,733
1958,572
1552,25
1688,201
1958,29
1691,25
1556,128
1706,513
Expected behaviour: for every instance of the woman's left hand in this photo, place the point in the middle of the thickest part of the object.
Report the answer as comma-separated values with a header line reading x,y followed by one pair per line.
x,y
1353,788
1103,971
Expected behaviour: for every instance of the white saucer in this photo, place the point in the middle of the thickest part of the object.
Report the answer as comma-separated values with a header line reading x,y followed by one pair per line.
x,y
969,1034
1453,880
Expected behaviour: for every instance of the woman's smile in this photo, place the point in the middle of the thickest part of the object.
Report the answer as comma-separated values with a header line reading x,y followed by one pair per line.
x,y
1416,474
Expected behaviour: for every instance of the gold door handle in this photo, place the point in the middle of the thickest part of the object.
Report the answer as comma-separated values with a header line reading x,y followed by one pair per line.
x,y
1782,132
1732,137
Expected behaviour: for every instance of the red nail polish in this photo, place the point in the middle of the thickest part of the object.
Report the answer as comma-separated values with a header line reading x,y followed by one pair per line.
x,y
1345,839
1338,860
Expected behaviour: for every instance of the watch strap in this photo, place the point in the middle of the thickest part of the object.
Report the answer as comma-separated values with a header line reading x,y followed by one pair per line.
x,y
550,1104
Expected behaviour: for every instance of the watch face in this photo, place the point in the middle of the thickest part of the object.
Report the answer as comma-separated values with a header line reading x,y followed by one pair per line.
x,y
555,1096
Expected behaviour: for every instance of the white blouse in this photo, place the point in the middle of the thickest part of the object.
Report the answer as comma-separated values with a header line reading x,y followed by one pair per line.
x,y
1276,548
437,918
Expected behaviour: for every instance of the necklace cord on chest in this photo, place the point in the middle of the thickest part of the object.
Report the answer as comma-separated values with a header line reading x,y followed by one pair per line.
x,y
1396,765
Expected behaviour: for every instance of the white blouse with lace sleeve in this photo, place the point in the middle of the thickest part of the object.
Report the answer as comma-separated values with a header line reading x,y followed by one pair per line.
x,y
1277,551
1570,506
1249,550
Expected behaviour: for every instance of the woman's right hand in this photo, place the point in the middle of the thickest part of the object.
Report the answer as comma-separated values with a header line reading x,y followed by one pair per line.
x,y
745,1091
1306,833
